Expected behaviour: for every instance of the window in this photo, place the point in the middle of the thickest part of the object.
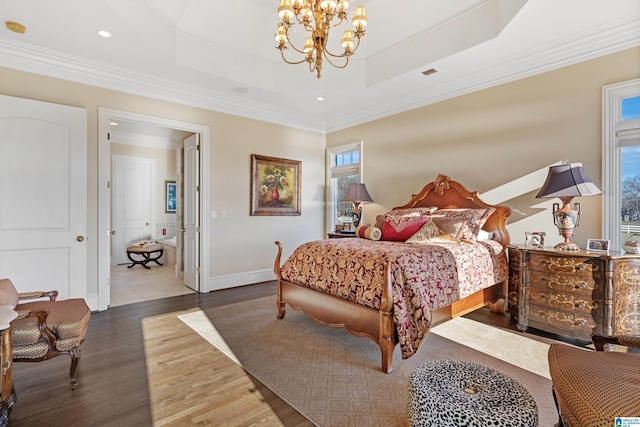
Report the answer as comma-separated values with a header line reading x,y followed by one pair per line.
x,y
621,162
343,168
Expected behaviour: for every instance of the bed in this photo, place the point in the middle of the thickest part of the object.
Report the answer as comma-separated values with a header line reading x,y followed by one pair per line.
x,y
392,292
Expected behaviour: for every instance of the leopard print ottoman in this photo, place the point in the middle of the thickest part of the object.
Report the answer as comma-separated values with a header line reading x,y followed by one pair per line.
x,y
456,393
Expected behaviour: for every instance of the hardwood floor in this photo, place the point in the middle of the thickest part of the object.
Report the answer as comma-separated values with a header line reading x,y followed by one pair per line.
x,y
115,373
114,376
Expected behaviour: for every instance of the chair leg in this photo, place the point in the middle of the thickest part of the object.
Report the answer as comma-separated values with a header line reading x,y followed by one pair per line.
x,y
75,357
555,400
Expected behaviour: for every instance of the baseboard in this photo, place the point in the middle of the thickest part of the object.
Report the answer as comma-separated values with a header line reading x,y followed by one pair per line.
x,y
239,279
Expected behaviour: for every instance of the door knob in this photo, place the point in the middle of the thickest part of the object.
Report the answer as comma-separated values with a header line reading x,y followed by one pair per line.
x,y
182,229
80,238
113,232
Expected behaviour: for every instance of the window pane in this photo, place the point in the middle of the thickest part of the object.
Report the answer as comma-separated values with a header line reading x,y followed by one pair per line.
x,y
631,108
630,191
339,160
344,208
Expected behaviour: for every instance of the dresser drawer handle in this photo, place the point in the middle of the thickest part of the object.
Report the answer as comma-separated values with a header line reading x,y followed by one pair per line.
x,y
581,322
582,285
581,304
582,267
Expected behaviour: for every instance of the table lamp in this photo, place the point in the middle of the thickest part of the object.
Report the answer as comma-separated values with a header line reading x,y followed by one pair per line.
x,y
567,181
357,193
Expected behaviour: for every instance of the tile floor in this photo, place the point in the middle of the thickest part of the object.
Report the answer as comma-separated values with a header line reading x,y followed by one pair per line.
x,y
137,284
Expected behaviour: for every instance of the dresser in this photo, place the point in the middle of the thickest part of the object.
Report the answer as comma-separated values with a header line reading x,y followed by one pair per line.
x,y
574,294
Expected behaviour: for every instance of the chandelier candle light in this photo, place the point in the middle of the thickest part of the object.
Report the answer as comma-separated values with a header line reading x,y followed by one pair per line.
x,y
567,181
318,17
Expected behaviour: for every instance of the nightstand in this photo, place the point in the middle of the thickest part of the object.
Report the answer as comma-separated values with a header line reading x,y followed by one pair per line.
x,y
340,235
574,294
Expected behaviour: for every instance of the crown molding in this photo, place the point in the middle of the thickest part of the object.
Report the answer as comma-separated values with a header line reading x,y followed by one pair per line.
x,y
139,140
51,63
599,41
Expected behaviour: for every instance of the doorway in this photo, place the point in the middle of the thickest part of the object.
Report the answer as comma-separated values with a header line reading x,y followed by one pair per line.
x,y
150,129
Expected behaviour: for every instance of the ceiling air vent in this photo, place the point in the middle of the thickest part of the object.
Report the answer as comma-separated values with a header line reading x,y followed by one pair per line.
x,y
430,71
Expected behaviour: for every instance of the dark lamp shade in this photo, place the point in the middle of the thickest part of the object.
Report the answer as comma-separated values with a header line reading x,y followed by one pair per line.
x,y
357,193
567,180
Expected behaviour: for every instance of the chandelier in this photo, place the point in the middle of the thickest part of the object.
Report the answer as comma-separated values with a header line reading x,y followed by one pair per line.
x,y
318,17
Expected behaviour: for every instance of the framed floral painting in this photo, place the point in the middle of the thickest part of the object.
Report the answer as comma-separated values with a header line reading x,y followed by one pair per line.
x,y
275,186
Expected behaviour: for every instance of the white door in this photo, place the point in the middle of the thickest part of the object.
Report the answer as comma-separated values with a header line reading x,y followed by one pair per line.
x,y
191,215
133,199
43,194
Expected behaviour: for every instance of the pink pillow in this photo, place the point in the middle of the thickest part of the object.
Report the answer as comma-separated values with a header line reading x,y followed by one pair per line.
x,y
405,212
461,224
400,228
430,233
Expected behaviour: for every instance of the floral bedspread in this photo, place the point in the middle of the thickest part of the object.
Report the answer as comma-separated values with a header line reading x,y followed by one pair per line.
x,y
425,277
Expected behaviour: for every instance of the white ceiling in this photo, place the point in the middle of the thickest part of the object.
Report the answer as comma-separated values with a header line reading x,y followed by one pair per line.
x,y
222,56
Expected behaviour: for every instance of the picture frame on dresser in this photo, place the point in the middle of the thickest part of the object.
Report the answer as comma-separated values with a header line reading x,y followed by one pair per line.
x,y
534,239
598,245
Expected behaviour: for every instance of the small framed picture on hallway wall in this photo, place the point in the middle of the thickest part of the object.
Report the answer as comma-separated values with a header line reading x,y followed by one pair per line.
x,y
275,186
170,197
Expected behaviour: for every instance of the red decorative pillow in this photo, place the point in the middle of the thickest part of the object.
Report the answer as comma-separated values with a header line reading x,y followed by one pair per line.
x,y
400,228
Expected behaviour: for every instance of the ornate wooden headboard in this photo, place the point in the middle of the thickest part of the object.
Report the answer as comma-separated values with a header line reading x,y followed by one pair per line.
x,y
447,194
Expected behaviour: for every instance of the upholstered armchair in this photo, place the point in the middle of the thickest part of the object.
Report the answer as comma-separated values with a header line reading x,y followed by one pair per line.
x,y
46,328
592,388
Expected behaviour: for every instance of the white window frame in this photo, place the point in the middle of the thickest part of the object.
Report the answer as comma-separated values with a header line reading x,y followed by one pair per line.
x,y
337,171
615,132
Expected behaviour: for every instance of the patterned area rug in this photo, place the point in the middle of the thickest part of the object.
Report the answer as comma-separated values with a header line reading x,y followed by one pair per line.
x,y
334,378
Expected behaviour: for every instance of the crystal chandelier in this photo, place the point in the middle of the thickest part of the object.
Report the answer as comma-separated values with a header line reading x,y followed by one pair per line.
x,y
318,17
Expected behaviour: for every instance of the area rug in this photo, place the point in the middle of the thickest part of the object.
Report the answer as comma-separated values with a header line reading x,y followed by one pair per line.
x,y
333,378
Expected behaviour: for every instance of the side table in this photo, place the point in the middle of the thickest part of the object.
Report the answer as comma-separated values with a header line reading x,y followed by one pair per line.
x,y
341,235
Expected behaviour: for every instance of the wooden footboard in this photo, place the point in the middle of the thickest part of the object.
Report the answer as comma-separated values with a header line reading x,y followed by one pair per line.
x,y
377,325
332,311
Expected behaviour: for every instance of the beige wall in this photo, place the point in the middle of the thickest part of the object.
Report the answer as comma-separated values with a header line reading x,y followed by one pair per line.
x,y
239,243
485,140
498,137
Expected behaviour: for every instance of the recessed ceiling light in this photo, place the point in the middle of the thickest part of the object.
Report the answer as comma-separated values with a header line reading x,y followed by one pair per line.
x,y
104,33
320,98
113,123
16,27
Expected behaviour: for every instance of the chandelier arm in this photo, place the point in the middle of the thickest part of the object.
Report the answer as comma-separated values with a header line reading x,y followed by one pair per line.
x,y
292,45
293,62
333,64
